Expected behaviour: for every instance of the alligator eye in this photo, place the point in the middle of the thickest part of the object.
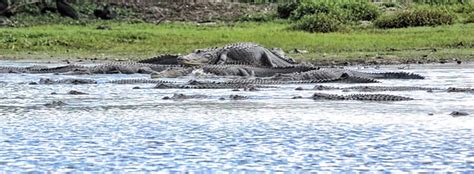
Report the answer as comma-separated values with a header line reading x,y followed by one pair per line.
x,y
198,51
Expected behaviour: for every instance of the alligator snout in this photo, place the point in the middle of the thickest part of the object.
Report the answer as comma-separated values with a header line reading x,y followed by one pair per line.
x,y
190,60
181,59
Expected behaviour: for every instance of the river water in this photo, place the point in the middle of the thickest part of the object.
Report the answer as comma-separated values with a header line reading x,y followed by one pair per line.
x,y
117,128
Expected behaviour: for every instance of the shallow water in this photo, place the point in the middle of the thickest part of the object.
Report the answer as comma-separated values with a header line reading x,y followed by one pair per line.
x,y
115,128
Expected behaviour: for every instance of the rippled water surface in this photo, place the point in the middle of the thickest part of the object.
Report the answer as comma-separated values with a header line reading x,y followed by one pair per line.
x,y
115,128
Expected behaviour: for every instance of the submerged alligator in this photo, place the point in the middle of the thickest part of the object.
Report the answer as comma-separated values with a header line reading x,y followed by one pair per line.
x,y
367,97
106,68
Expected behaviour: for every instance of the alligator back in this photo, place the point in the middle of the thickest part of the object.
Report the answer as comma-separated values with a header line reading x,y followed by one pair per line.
x,y
166,59
253,54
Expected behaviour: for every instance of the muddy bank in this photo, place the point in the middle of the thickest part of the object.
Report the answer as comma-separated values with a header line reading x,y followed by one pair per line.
x,y
382,61
328,62
201,12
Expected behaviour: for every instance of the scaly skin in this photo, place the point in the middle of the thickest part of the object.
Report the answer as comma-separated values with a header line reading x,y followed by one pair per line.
x,y
173,72
138,81
165,59
309,75
364,97
244,70
323,76
385,75
377,88
238,53
107,68
9,69
259,82
184,96
128,68
59,69
47,81
210,86
350,75
453,89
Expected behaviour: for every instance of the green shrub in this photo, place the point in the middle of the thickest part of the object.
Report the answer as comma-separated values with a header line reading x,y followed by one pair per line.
x,y
310,8
320,22
469,19
467,8
284,10
424,16
362,10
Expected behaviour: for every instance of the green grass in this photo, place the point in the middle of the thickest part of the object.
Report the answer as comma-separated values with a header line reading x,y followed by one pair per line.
x,y
133,41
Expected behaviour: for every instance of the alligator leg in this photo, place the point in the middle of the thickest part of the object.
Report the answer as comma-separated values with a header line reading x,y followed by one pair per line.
x,y
222,58
266,60
243,72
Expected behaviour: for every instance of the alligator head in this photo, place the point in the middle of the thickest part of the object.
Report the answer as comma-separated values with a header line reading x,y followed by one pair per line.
x,y
198,57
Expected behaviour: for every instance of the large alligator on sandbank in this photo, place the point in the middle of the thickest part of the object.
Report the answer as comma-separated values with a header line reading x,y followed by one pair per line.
x,y
245,53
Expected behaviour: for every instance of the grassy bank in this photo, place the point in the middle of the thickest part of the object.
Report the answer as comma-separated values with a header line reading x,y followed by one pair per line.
x,y
136,41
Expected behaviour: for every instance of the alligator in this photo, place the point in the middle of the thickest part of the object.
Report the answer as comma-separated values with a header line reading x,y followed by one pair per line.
x,y
385,75
245,53
15,69
74,92
252,82
165,59
184,96
137,81
173,73
55,104
453,89
245,70
47,81
389,88
106,68
375,88
368,97
355,76
325,75
459,113
236,97
180,96
211,86
128,68
260,81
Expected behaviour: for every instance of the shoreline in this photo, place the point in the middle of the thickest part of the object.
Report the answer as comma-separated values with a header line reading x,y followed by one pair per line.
x,y
322,62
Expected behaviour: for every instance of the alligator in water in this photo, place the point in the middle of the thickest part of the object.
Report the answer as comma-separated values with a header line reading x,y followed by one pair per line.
x,y
377,88
165,59
184,96
233,70
106,68
76,81
361,77
211,86
246,70
47,81
390,88
367,97
239,53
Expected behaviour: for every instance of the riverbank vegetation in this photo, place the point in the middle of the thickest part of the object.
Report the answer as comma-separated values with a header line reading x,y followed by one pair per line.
x,y
337,32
